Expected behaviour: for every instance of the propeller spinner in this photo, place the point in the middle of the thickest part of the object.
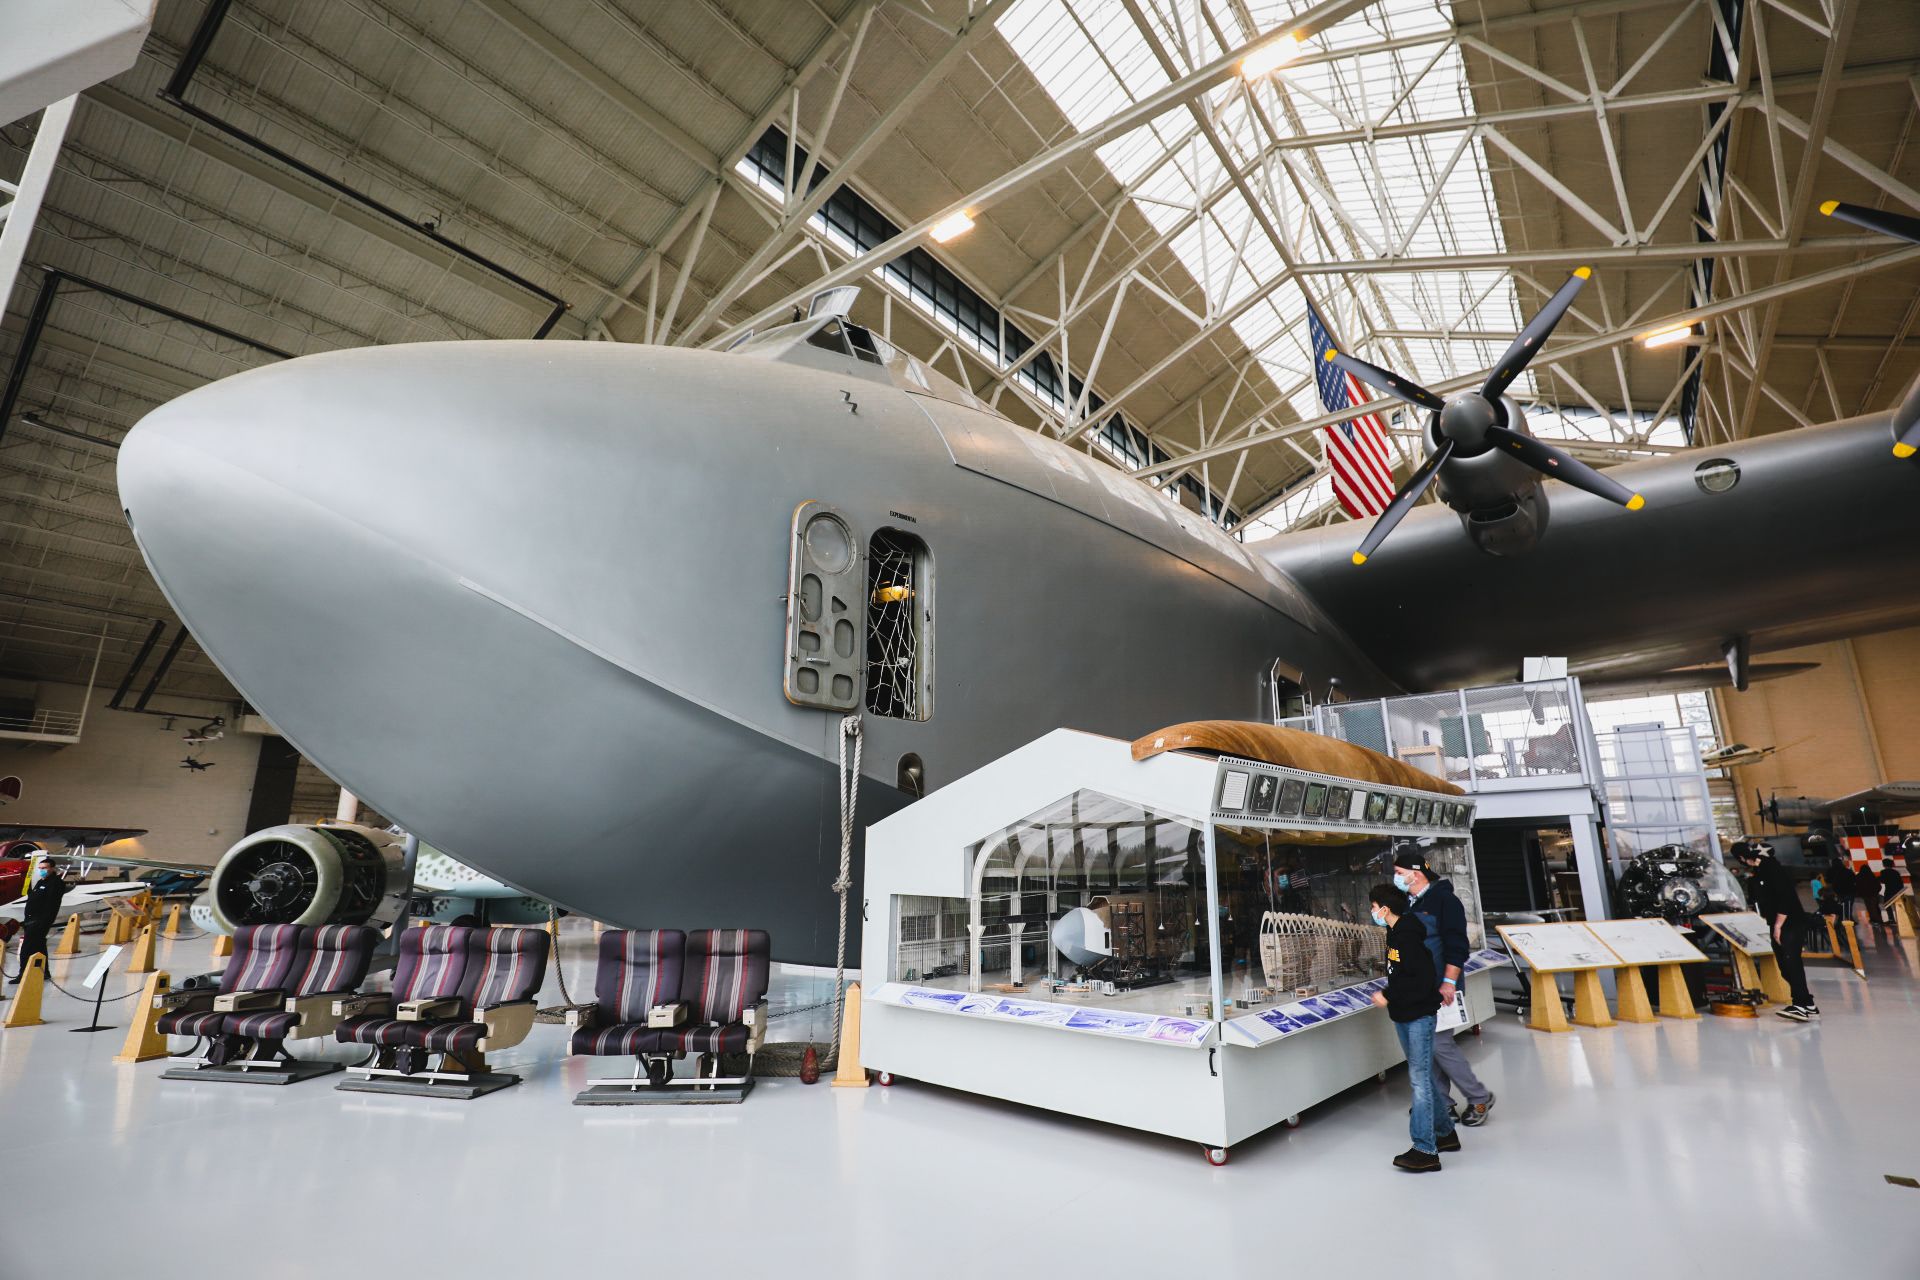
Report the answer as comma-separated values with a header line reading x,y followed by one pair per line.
x,y
1471,422
1906,418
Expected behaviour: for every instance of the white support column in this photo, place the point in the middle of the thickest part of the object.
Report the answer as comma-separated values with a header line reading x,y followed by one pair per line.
x,y
348,810
25,209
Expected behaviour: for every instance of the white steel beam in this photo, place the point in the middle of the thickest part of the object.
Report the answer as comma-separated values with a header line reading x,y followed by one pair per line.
x,y
29,192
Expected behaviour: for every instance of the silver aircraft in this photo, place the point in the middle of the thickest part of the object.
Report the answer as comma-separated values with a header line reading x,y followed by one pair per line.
x,y
589,615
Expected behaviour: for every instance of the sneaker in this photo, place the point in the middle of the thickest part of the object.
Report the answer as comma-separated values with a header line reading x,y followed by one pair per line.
x,y
1449,1141
1414,1160
1476,1114
1794,1012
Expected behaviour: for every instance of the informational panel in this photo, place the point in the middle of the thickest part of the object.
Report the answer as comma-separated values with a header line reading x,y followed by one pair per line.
x,y
1646,942
1744,929
1556,948
1120,1023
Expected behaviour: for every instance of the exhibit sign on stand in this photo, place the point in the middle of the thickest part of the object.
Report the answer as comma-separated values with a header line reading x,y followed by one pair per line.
x,y
1755,967
1650,943
1553,949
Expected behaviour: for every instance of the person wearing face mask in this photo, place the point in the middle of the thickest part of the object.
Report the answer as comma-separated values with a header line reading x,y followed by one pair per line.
x,y
42,909
1445,918
1411,997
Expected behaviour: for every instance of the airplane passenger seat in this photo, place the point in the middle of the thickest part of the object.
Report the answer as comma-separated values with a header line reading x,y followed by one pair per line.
x,y
280,984
458,993
661,995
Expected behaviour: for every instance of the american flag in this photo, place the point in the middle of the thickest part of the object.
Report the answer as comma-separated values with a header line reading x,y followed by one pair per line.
x,y
1356,450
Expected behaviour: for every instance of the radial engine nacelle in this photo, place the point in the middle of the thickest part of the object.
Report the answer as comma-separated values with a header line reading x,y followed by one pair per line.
x,y
335,873
1500,500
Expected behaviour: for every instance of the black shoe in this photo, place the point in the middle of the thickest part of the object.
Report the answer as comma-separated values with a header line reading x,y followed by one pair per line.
x,y
1449,1141
1476,1113
1414,1160
1795,1013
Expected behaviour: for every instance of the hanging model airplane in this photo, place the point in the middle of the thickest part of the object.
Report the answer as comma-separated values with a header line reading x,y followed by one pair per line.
x,y
644,584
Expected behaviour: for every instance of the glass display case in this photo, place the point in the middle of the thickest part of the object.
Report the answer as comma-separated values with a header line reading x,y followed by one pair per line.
x,y
1088,921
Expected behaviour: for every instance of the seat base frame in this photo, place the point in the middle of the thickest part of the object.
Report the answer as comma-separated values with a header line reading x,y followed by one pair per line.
x,y
283,1071
426,1084
623,1093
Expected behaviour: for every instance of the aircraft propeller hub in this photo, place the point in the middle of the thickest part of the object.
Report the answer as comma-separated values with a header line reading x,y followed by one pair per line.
x,y
1465,420
275,884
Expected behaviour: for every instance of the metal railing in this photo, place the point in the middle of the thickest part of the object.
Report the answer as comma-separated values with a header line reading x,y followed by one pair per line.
x,y
49,723
1496,737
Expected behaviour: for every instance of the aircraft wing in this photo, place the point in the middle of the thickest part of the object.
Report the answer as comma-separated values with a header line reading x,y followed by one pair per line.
x,y
1888,800
69,837
1814,542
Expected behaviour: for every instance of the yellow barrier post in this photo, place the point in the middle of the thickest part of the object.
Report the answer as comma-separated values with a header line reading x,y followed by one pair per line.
x,y
173,922
142,961
1631,1001
223,945
25,1009
144,1041
69,944
850,1074
1675,1000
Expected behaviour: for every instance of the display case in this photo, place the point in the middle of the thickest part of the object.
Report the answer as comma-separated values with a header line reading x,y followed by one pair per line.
x,y
1180,943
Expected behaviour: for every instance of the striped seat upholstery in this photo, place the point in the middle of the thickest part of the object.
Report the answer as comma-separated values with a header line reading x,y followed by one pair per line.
x,y
263,1025
513,964
448,1037
375,1029
334,960
263,957
638,969
727,973
183,1022
731,1038
434,964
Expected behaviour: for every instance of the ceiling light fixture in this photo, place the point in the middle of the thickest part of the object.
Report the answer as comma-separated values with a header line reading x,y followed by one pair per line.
x,y
1666,337
1269,58
954,225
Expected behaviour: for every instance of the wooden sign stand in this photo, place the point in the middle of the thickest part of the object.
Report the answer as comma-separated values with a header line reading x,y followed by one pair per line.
x,y
1675,1000
1761,973
1590,999
1544,1010
1631,995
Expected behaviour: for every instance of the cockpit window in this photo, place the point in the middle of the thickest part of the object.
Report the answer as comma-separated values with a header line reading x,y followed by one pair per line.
x,y
830,336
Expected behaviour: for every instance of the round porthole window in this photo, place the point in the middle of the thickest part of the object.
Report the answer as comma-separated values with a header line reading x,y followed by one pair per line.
x,y
829,542
1717,475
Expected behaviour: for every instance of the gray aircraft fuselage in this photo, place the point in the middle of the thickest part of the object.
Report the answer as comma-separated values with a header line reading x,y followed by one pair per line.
x,y
528,600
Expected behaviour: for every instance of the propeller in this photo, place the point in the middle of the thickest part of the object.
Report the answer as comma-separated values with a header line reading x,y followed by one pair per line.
x,y
1472,422
1906,418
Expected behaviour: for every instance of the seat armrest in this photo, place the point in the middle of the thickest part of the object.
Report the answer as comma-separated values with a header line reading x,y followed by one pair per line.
x,y
184,1002
756,1020
579,1015
507,1024
373,1002
242,1001
428,1010
663,1016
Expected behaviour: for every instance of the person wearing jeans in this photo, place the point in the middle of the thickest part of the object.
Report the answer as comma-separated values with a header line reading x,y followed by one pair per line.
x,y
1412,998
1445,919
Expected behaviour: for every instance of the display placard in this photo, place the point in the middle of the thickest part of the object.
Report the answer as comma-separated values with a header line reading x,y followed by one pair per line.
x,y
1558,948
1121,1023
1743,929
1651,941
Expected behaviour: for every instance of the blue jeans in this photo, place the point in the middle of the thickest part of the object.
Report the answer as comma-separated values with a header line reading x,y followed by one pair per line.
x,y
1429,1121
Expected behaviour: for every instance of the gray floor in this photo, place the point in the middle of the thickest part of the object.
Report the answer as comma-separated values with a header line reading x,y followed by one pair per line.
x,y
1683,1149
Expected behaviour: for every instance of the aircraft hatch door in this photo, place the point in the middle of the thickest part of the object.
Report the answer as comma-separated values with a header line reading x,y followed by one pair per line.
x,y
826,623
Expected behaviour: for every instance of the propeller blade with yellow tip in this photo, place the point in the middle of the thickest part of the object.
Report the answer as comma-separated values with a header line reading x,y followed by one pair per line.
x,y
1403,501
1550,460
1527,345
1887,224
1391,383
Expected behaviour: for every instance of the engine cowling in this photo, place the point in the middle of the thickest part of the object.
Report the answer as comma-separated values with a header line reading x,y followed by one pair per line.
x,y
1501,504
335,873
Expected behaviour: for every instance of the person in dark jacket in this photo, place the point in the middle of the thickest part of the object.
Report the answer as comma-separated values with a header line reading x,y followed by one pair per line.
x,y
1445,918
43,908
1868,881
1411,997
1841,884
1891,882
1777,899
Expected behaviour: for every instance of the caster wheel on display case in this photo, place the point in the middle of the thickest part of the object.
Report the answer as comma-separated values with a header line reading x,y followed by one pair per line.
x,y
1293,1121
1381,1076
1216,1156
1476,1028
884,1077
